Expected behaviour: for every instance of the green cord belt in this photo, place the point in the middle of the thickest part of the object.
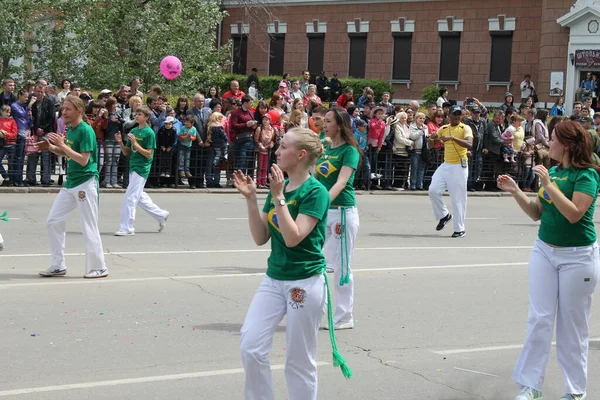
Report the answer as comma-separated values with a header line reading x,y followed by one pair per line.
x,y
338,360
345,275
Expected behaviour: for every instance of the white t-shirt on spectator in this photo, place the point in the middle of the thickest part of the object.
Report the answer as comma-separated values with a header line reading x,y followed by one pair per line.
x,y
440,101
527,91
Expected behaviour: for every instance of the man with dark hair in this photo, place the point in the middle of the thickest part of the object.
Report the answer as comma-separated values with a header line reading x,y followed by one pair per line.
x,y
305,82
135,84
253,77
492,145
7,97
44,122
577,107
478,127
242,125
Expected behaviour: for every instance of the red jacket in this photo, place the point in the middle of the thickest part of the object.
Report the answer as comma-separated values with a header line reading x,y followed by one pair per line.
x,y
377,131
238,122
9,125
343,100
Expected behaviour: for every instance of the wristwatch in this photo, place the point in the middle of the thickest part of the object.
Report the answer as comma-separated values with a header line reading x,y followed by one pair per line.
x,y
281,202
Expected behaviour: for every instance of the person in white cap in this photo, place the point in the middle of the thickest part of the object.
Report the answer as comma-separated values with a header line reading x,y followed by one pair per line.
x,y
452,174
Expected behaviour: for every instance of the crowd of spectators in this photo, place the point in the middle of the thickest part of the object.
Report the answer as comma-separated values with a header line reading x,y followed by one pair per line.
x,y
200,141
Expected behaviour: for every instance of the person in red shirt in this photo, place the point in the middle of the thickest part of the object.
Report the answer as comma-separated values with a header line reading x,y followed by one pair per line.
x,y
346,96
8,139
234,91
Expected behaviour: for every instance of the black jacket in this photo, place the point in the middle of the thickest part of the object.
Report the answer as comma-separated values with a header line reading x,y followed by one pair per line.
x,y
44,115
479,129
8,101
252,78
166,137
492,140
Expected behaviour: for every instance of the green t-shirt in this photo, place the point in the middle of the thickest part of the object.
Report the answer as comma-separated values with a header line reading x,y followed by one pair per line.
x,y
306,259
328,169
137,162
322,137
82,139
555,229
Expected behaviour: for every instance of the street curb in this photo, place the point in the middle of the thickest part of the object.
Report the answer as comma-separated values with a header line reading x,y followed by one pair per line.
x,y
54,190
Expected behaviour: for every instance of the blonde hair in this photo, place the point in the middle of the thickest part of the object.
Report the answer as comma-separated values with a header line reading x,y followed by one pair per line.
x,y
134,98
515,117
215,119
419,115
305,139
296,114
77,103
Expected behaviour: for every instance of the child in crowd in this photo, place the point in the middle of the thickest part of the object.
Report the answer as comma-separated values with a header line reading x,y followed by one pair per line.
x,y
361,136
265,139
61,129
528,151
187,134
295,119
509,139
8,139
166,141
218,140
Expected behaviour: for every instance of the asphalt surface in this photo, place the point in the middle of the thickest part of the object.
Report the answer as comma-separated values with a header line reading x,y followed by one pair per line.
x,y
436,317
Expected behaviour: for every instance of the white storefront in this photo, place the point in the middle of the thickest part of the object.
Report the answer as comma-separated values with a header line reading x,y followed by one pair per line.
x,y
584,23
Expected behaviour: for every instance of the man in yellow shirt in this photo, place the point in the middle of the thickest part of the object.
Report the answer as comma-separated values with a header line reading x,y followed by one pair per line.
x,y
453,173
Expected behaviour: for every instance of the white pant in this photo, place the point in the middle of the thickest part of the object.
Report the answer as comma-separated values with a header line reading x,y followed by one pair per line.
x,y
561,285
344,295
1,239
135,196
304,303
451,177
84,197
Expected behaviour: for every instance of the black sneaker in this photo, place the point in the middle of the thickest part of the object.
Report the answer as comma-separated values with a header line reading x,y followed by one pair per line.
x,y
443,222
459,234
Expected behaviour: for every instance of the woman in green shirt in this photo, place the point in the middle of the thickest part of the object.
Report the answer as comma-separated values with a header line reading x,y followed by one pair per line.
x,y
335,170
564,266
294,218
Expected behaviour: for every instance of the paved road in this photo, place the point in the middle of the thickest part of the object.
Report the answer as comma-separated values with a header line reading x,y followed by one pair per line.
x,y
436,317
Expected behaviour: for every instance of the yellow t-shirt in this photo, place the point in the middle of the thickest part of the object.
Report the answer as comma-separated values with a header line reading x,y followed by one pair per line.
x,y
519,139
452,151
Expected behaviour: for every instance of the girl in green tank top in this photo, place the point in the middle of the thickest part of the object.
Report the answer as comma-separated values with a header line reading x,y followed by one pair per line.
x,y
565,264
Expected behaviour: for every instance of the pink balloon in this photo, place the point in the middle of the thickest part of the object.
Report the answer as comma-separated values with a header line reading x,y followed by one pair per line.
x,y
170,67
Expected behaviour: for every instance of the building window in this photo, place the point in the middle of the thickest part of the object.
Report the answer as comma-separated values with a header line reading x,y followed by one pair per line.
x,y
501,58
402,56
316,52
358,55
276,54
239,56
449,56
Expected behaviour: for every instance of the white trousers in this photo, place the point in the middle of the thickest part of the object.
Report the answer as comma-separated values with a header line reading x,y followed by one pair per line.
x,y
453,178
344,295
304,303
84,197
561,286
135,196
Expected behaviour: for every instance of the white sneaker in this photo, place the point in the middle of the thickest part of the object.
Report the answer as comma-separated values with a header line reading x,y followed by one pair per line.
x,y
115,186
121,233
54,271
97,273
161,225
108,186
570,396
340,326
329,270
528,393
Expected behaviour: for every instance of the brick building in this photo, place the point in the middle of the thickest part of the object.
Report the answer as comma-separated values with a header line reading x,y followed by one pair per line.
x,y
474,48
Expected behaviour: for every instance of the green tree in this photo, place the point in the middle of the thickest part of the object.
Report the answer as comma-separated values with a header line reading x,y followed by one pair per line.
x,y
117,39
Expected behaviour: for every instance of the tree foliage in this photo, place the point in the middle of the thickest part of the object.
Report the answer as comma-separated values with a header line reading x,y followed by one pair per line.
x,y
103,43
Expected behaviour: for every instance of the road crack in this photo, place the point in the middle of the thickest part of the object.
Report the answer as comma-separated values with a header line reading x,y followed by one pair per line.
x,y
422,376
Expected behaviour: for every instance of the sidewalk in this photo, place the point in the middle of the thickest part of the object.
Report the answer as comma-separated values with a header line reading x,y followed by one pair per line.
x,y
187,190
